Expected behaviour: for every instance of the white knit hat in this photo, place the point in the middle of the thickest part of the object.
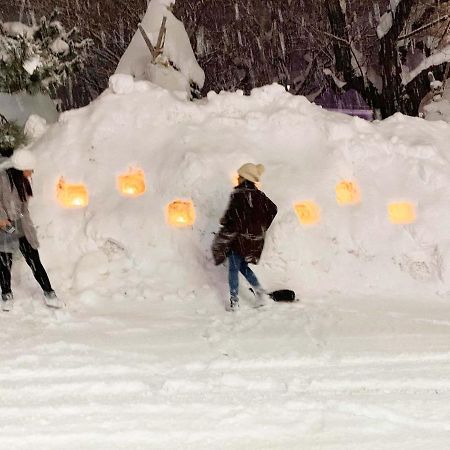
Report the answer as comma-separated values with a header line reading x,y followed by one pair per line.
x,y
251,172
23,159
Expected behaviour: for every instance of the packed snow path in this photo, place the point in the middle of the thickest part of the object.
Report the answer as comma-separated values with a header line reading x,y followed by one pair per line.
x,y
184,374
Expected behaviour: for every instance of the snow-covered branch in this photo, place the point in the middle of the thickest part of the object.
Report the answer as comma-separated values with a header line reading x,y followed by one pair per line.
x,y
436,59
387,19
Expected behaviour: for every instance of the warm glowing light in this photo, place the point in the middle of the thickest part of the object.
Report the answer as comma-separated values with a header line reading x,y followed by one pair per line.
x,y
402,213
72,195
181,213
308,212
347,193
132,184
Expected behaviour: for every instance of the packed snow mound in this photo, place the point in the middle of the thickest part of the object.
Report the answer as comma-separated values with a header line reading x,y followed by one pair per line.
x,y
191,150
177,48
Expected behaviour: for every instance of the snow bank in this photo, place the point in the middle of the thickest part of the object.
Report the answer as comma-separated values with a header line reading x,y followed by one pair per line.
x,y
191,150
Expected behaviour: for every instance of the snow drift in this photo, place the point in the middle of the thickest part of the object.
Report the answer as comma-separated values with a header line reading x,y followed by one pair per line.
x,y
191,150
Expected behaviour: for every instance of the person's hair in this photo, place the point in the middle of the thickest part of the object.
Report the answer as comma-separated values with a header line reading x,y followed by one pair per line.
x,y
21,182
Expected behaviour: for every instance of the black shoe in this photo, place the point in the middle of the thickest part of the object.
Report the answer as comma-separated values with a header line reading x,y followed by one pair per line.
x,y
234,303
7,301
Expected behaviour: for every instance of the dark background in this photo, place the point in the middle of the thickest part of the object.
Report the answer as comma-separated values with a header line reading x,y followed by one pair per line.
x,y
242,44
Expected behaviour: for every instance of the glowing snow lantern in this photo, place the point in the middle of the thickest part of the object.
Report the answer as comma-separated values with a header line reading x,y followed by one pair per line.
x,y
181,213
132,184
72,195
308,212
347,193
402,213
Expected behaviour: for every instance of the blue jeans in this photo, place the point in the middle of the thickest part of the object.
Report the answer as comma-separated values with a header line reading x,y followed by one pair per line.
x,y
236,264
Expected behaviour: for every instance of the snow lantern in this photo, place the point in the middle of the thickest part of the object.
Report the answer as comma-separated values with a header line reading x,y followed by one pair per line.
x,y
308,212
347,193
402,213
72,195
181,213
132,184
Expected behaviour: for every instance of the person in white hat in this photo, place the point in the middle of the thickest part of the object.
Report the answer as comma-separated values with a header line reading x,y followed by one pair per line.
x,y
244,225
17,231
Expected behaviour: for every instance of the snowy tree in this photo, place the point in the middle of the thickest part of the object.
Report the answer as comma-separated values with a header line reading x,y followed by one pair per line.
x,y
382,49
161,52
412,40
40,57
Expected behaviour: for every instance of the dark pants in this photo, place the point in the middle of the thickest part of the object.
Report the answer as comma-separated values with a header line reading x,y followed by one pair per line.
x,y
31,256
236,264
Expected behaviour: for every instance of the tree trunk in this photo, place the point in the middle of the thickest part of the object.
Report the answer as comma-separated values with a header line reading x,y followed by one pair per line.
x,y
341,47
390,64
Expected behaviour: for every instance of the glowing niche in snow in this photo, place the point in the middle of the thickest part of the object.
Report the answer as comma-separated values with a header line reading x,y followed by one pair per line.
x,y
132,184
402,213
348,193
181,213
72,195
308,212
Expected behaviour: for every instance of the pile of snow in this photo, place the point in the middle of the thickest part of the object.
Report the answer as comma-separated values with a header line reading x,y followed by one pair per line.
x,y
191,150
137,60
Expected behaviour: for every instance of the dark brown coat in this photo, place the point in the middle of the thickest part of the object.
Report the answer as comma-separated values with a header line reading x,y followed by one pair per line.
x,y
244,224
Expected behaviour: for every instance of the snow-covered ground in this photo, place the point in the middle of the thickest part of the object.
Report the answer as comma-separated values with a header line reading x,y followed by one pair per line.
x,y
164,372
145,355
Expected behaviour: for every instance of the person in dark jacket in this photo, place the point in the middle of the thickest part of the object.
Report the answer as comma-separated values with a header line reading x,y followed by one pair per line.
x,y
244,224
17,231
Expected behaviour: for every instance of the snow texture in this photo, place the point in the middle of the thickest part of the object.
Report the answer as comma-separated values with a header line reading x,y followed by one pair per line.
x,y
385,24
121,83
18,29
60,46
386,20
35,127
137,59
31,64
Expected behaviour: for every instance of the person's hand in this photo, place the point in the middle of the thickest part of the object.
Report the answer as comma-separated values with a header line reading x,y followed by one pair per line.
x,y
4,223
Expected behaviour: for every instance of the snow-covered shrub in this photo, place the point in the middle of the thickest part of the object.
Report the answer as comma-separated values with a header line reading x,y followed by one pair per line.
x,y
38,58
12,135
175,67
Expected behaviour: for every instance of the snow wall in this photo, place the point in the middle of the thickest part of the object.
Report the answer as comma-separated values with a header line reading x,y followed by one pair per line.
x,y
191,150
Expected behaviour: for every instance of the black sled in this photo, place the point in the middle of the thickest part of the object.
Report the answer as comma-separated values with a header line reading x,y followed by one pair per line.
x,y
282,295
